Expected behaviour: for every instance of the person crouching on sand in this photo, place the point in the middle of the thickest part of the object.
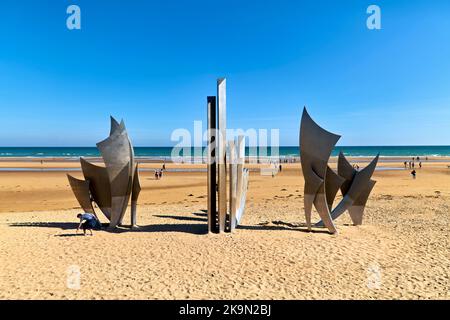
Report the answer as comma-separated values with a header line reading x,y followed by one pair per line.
x,y
88,222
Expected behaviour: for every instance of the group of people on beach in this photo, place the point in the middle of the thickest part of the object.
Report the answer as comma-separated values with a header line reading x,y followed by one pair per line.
x,y
159,172
411,165
288,160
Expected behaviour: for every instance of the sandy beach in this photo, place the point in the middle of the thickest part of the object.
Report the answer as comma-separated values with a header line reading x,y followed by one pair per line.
x,y
401,252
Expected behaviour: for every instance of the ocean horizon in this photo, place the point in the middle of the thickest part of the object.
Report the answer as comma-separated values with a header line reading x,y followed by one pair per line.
x,y
284,151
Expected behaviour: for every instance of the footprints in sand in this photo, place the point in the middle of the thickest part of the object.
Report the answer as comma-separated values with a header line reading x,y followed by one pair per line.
x,y
385,197
295,195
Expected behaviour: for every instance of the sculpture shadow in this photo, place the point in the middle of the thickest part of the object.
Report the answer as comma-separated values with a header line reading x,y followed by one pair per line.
x,y
197,229
182,218
203,213
281,225
192,228
59,225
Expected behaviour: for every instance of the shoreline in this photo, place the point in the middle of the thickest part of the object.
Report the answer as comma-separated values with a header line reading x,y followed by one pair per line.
x,y
193,160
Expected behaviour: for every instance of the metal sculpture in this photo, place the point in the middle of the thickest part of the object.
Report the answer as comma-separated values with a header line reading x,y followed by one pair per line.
x,y
110,187
355,190
322,183
316,145
221,218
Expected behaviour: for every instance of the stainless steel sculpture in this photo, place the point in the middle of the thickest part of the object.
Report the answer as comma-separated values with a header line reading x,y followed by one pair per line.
x,y
221,218
322,183
213,218
355,190
221,148
316,145
111,187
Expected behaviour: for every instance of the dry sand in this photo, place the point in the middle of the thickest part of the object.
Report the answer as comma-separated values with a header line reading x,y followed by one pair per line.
x,y
402,251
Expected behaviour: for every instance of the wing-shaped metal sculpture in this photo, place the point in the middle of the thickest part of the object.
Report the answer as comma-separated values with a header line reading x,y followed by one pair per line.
x,y
356,189
316,145
111,186
118,156
346,170
322,183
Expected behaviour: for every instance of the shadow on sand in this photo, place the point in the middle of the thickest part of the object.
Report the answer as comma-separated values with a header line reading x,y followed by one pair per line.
x,y
281,225
192,228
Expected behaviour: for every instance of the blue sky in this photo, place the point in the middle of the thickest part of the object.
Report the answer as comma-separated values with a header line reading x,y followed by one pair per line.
x,y
154,62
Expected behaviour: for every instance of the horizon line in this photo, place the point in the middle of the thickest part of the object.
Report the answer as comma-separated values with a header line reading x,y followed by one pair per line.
x,y
284,146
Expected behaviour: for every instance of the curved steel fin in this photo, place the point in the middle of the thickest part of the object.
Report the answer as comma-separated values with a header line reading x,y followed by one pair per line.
x,y
80,189
118,157
360,183
100,185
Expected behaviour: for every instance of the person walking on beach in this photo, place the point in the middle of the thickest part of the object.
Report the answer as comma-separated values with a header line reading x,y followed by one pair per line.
x,y
420,164
413,173
405,164
156,175
412,165
160,174
88,222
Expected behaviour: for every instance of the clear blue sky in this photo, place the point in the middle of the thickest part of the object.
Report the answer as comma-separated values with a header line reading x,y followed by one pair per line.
x,y
154,62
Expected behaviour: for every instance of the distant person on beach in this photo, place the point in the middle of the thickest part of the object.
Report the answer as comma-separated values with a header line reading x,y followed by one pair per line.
x,y
405,164
420,164
426,158
280,168
156,174
88,222
160,174
409,165
412,165
413,173
164,166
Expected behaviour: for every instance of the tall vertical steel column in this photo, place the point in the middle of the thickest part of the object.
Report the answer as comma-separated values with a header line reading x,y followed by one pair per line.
x,y
211,165
222,147
233,184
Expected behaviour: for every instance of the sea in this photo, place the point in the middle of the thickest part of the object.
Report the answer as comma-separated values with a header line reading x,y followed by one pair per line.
x,y
167,152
